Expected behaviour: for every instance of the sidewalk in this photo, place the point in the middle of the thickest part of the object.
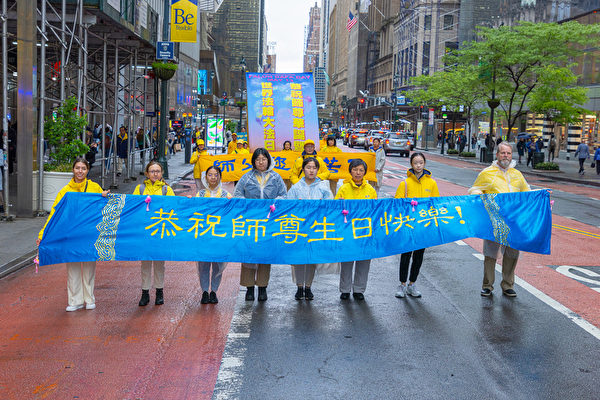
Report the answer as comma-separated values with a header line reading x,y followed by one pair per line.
x,y
17,237
569,169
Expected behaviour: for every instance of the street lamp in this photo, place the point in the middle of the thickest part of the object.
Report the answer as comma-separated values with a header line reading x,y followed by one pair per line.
x,y
240,103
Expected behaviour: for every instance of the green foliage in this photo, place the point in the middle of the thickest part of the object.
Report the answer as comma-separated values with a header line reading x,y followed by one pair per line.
x,y
240,104
548,166
231,126
164,65
64,136
452,151
467,154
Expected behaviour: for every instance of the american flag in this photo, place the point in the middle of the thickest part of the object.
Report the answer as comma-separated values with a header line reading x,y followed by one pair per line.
x,y
352,20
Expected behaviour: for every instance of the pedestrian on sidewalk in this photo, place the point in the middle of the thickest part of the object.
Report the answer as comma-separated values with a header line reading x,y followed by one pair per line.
x,y
122,139
596,160
417,184
309,187
379,164
80,275
583,153
531,149
210,273
521,148
355,188
331,148
153,186
551,148
500,177
195,159
259,183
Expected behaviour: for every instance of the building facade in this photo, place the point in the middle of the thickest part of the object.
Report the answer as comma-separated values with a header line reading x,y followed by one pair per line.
x,y
312,39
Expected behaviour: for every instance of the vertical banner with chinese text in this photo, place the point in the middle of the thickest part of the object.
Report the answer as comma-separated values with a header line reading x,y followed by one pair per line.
x,y
281,107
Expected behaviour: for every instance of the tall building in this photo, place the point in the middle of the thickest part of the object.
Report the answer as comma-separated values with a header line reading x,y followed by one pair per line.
x,y
239,30
312,39
320,85
271,63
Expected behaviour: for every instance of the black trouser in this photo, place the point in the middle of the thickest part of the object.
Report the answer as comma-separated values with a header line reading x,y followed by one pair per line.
x,y
597,167
530,158
417,257
581,161
551,154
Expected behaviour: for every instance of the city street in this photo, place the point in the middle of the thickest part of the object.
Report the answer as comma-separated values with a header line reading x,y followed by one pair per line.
x,y
450,344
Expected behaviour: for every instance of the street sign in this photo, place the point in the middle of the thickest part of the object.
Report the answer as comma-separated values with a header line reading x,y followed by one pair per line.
x,y
165,51
401,100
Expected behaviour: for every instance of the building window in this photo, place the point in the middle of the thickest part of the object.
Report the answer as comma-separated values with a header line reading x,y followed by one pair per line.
x,y
448,22
425,66
427,25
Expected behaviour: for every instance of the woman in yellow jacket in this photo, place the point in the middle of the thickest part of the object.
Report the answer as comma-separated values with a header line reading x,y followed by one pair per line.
x,y
417,184
153,186
331,148
195,159
355,188
80,275
240,148
309,151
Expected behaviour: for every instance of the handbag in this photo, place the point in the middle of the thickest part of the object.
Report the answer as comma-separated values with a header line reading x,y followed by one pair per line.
x,y
593,164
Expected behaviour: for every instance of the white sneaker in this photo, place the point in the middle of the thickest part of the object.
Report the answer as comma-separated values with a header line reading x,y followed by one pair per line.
x,y
412,291
90,306
401,291
74,308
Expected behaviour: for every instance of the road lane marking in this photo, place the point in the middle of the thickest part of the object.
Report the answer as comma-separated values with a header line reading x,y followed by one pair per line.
x,y
578,231
566,271
579,321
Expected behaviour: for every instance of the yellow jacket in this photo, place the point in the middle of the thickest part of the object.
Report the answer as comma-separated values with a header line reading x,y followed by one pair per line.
x,y
351,191
297,172
195,159
231,147
494,179
241,151
330,149
415,187
86,186
154,189
322,143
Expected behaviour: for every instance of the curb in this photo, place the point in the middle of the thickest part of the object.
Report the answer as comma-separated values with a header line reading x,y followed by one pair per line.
x,y
18,263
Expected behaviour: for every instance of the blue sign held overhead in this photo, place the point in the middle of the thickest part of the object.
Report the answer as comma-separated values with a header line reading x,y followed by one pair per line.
x,y
165,51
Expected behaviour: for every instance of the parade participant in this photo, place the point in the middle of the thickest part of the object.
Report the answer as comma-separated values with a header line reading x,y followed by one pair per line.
x,y
211,180
309,151
287,146
80,275
246,147
355,188
153,186
232,144
331,148
240,148
259,183
417,184
379,163
310,187
195,159
500,177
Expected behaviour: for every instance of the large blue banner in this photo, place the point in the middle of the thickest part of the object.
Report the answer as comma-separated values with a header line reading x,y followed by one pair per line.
x,y
88,227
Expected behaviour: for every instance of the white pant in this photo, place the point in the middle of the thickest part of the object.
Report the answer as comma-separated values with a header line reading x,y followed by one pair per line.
x,y
121,164
361,274
80,282
159,274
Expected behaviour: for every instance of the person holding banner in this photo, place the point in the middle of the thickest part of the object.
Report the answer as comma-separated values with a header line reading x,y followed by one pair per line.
x,y
259,183
240,148
379,162
80,275
195,159
287,146
331,148
417,184
211,180
310,187
153,186
500,177
309,151
232,144
355,188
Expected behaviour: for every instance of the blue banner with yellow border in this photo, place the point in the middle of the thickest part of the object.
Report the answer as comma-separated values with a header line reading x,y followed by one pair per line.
x,y
89,227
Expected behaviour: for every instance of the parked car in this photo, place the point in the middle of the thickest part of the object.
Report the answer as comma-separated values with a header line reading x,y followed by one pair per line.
x,y
357,138
374,133
346,137
397,142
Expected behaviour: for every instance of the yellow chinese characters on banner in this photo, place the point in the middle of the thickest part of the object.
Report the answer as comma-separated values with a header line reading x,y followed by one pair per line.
x,y
298,116
184,20
233,166
268,115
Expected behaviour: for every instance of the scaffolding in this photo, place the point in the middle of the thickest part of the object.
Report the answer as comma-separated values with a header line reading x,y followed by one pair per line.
x,y
82,52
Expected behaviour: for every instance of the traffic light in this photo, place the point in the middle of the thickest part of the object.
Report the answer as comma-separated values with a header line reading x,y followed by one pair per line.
x,y
361,100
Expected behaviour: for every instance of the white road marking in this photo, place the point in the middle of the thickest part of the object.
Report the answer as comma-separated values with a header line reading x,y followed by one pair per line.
x,y
582,323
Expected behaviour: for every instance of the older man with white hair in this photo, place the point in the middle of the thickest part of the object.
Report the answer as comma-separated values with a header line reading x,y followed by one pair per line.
x,y
500,177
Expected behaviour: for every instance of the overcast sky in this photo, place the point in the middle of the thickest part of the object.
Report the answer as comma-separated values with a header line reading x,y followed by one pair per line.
x,y
286,20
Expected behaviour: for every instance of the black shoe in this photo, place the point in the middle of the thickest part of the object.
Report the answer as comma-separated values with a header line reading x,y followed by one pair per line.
x,y
344,296
250,293
262,293
486,292
205,299
509,293
159,297
213,298
299,293
145,298
308,294
358,296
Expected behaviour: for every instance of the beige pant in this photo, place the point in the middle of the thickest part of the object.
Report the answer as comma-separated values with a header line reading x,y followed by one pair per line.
x,y
303,274
510,257
80,282
159,274
255,276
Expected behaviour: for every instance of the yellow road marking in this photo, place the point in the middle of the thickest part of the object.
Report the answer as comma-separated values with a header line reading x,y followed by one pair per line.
x,y
578,231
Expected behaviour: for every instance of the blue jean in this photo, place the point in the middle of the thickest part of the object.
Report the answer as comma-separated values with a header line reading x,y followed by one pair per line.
x,y
208,280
